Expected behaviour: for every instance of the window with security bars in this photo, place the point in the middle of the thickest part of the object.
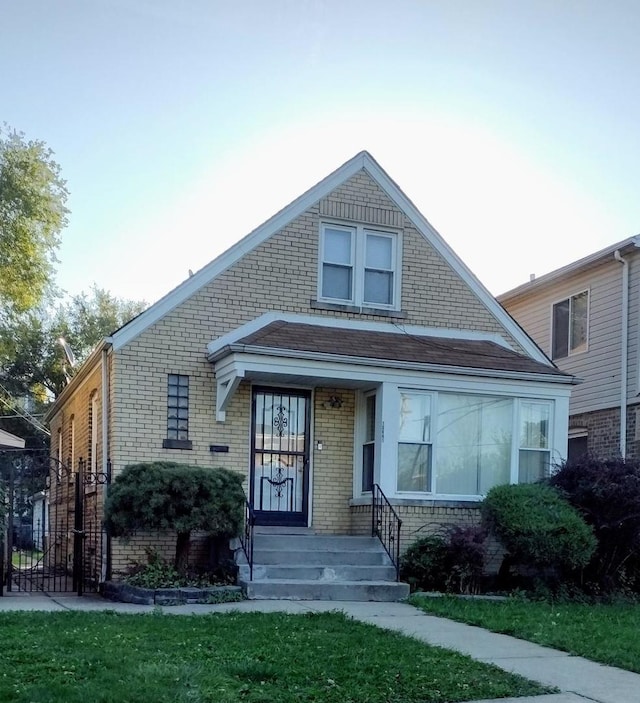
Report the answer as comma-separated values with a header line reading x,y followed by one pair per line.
x,y
177,407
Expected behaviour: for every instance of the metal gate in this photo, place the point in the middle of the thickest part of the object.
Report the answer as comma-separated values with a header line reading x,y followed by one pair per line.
x,y
54,540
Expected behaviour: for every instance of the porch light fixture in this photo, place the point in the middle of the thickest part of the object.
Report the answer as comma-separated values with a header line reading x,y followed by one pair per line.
x,y
335,401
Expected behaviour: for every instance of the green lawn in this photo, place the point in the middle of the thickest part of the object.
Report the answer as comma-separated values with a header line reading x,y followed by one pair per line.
x,y
604,633
255,657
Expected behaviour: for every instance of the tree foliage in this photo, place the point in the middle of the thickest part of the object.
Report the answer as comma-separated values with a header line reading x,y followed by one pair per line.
x,y
31,357
32,215
607,494
166,495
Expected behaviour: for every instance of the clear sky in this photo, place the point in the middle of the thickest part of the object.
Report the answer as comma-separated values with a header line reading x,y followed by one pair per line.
x,y
181,125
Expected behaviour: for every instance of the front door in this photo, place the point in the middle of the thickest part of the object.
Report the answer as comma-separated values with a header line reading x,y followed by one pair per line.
x,y
280,456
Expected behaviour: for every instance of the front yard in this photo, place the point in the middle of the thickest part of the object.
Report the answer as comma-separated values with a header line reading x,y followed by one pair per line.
x,y
223,658
603,633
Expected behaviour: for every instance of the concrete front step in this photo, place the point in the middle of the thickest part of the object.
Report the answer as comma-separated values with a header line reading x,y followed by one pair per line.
x,y
343,543
337,572
307,566
288,589
325,557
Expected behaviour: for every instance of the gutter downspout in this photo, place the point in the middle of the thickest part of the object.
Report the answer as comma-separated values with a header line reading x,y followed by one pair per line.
x,y
624,352
106,466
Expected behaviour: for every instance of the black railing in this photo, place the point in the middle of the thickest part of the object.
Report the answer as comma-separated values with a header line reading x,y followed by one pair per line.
x,y
246,538
385,525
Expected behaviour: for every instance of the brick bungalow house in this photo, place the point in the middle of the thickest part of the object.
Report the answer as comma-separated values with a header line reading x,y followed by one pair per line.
x,y
340,344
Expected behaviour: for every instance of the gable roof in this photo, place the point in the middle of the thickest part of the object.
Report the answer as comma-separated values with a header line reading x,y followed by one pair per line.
x,y
365,161
584,264
288,338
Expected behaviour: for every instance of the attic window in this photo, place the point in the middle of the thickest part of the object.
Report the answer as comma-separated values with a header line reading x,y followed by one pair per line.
x,y
359,266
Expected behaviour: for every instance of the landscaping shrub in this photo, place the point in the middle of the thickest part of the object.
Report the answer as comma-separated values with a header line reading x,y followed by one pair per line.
x,y
157,572
422,566
451,560
607,494
540,531
172,496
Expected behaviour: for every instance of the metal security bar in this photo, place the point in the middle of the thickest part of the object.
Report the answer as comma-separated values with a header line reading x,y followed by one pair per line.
x,y
385,525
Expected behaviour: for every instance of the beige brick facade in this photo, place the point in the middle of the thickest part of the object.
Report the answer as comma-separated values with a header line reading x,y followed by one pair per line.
x,y
281,274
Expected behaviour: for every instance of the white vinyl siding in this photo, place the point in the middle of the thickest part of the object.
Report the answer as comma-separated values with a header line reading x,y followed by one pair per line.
x,y
599,367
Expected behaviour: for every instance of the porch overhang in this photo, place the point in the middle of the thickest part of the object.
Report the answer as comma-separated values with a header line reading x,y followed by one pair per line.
x,y
268,365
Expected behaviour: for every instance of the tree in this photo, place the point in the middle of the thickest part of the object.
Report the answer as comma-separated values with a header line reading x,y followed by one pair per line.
x,y
32,215
165,495
33,367
31,357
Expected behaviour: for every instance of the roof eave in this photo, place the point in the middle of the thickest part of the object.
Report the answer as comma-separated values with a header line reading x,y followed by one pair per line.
x,y
587,262
561,377
85,369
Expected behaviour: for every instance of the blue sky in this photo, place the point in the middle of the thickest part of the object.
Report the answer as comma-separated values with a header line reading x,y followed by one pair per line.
x,y
181,126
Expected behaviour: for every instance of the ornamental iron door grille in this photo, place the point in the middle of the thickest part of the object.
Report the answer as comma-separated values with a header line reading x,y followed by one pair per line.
x,y
54,538
279,481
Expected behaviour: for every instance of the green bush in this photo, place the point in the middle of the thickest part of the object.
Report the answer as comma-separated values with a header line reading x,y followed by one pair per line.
x,y
171,496
451,560
539,529
422,566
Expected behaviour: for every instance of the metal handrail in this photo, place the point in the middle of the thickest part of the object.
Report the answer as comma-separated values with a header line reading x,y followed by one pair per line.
x,y
246,538
385,525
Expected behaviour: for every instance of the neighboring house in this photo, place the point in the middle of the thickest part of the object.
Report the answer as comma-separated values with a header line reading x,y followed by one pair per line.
x,y
341,343
586,316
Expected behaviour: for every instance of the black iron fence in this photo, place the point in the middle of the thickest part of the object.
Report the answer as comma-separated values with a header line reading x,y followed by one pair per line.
x,y
54,537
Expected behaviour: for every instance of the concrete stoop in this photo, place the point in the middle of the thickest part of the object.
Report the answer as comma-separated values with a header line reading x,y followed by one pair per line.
x,y
308,566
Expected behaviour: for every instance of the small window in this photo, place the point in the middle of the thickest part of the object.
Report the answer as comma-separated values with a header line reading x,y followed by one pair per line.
x,y
369,443
359,266
535,456
570,326
177,412
414,445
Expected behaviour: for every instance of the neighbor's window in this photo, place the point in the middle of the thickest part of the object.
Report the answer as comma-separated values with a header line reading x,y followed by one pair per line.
x,y
414,442
359,266
177,407
570,325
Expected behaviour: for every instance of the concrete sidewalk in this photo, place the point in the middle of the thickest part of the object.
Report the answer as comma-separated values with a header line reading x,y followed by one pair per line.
x,y
578,679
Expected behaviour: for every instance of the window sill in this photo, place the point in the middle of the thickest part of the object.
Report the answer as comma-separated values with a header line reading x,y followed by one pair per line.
x,y
362,310
177,444
421,502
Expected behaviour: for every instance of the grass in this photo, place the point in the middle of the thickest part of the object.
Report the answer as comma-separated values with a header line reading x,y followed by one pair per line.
x,y
25,559
604,633
254,657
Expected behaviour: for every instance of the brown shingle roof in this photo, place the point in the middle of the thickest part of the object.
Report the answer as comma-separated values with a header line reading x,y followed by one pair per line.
x,y
392,346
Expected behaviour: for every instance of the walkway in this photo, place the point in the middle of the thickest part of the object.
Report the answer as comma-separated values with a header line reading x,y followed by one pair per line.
x,y
578,679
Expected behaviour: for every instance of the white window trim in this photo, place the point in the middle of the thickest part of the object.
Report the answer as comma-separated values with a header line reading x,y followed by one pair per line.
x,y
358,251
359,439
551,325
93,468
